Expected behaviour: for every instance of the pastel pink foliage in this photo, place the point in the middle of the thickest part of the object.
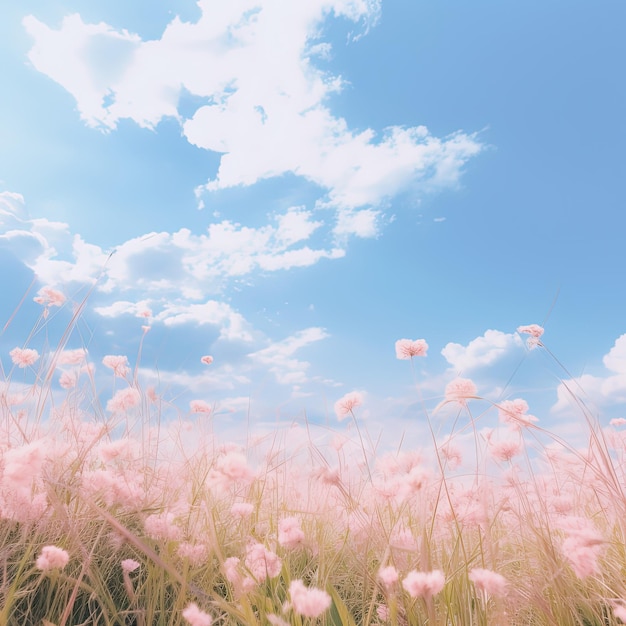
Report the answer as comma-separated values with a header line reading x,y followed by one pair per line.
x,y
424,584
162,526
290,534
504,450
195,553
388,576
620,612
118,363
309,602
345,405
488,581
123,400
195,616
534,330
24,357
515,413
261,562
460,390
72,357
52,557
407,348
49,297
200,406
241,509
129,565
206,359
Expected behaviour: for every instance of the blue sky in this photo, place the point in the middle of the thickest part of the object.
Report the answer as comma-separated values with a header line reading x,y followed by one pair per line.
x,y
292,187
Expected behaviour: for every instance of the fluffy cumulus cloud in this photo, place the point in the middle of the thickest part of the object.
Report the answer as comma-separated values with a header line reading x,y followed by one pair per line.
x,y
597,391
264,105
481,352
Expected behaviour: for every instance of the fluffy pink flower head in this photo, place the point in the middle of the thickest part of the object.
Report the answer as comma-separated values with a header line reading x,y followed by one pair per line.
x,y
129,565
346,405
424,584
308,602
388,576
123,400
514,413
49,297
490,582
206,359
118,363
460,390
290,535
262,563
241,509
72,357
199,406
504,450
534,330
194,616
52,557
407,348
23,357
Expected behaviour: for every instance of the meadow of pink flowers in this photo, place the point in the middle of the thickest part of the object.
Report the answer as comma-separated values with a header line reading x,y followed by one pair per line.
x,y
112,516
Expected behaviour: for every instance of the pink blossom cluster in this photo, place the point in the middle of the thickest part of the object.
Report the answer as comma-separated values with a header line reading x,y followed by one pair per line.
x,y
460,390
407,348
196,617
346,404
118,363
290,534
488,581
261,562
308,602
424,584
24,357
49,297
52,557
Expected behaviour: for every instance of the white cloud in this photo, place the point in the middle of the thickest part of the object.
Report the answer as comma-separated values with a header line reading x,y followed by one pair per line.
x,y
279,357
482,351
266,104
599,391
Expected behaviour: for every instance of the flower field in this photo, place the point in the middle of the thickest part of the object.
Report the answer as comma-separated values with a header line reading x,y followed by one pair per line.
x,y
111,516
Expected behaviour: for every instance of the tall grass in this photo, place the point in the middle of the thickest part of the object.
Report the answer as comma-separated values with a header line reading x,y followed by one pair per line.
x,y
111,516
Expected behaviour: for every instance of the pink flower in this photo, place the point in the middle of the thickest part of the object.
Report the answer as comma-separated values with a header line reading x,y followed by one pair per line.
x,y
196,617
72,357
23,357
513,412
118,363
161,526
129,565
459,390
424,584
49,297
52,557
407,348
504,450
234,466
261,562
290,535
206,359
195,553
618,421
388,576
123,400
534,330
488,581
199,406
67,380
619,612
308,602
346,405
241,509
